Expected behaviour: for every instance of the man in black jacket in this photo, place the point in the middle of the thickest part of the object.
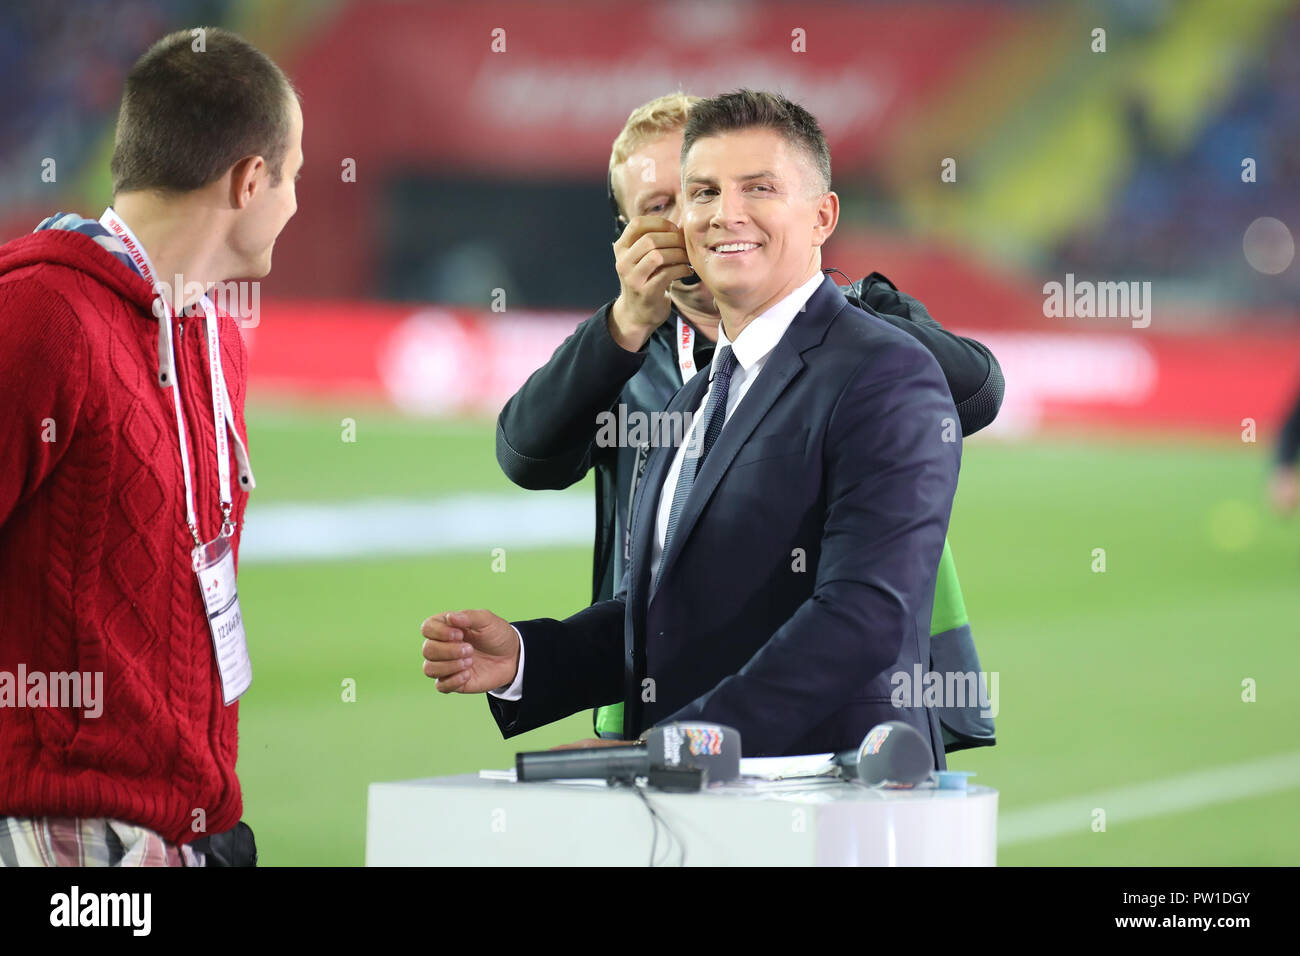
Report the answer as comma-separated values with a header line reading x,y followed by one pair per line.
x,y
627,361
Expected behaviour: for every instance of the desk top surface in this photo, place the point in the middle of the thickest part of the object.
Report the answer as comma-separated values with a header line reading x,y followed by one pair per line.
x,y
796,790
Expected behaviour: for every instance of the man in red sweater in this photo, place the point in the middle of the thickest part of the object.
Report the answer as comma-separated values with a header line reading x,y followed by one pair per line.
x,y
122,650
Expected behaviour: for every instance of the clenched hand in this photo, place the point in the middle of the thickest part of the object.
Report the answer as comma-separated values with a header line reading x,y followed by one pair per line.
x,y
469,652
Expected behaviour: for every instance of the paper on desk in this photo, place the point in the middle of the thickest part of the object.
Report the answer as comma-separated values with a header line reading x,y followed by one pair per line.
x,y
782,768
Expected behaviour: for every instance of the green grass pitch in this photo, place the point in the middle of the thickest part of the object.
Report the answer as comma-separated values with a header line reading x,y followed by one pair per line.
x,y
1106,679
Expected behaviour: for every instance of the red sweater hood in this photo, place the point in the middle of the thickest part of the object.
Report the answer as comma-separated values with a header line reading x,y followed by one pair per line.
x,y
78,251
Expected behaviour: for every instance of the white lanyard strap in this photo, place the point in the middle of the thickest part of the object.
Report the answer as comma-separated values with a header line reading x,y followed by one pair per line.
x,y
223,419
169,379
218,411
686,349
246,479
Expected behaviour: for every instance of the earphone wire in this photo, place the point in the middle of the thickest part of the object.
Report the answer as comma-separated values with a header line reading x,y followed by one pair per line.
x,y
671,837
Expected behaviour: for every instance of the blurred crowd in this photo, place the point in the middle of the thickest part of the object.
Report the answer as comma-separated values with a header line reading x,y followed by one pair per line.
x,y
1180,211
61,67
1183,212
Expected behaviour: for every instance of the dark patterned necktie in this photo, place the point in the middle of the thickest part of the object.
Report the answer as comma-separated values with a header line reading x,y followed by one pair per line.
x,y
715,415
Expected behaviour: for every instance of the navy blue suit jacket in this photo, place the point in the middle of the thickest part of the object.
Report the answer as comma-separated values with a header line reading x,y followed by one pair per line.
x,y
801,575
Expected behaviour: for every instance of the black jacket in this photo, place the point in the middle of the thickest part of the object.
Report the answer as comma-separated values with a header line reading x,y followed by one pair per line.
x,y
833,451
546,433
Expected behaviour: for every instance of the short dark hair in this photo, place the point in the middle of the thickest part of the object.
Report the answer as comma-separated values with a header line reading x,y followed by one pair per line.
x,y
748,109
190,111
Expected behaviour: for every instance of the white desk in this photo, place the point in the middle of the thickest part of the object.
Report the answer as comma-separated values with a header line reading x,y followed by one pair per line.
x,y
468,821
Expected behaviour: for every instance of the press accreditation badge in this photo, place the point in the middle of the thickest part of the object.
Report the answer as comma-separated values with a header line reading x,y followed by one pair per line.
x,y
214,563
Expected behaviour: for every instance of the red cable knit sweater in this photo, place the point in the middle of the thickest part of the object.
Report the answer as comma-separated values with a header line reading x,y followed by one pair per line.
x,y
95,570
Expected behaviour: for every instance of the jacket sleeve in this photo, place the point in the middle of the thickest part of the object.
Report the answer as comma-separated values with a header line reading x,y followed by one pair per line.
x,y
972,371
570,665
43,373
546,432
890,479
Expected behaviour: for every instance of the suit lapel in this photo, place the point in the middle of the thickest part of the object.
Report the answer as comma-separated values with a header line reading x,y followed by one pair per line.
x,y
647,496
783,365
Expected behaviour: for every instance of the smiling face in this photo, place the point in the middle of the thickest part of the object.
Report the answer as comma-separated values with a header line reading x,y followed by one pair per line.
x,y
754,218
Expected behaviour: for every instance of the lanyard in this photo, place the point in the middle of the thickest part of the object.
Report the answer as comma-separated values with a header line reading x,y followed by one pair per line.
x,y
685,350
222,414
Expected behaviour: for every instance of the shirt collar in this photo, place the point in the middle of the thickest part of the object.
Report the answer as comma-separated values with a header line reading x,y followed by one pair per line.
x,y
757,339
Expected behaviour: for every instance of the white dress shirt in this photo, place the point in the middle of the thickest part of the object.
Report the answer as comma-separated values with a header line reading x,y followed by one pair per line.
x,y
752,347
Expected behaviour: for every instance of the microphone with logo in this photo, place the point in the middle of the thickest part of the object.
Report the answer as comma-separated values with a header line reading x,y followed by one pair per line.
x,y
680,756
893,754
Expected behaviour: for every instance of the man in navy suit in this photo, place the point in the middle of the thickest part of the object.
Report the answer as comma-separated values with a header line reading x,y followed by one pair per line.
x,y
783,556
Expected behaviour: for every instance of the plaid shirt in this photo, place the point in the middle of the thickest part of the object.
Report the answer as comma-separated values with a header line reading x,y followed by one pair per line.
x,y
67,841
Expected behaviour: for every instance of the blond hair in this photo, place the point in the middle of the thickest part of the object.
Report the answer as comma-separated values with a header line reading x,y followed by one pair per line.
x,y
649,121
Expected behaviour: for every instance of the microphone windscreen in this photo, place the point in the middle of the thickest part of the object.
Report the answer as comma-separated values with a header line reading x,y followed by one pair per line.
x,y
895,753
696,746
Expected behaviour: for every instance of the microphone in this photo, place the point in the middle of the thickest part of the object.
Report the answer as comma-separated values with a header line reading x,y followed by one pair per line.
x,y
692,279
682,748
892,754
